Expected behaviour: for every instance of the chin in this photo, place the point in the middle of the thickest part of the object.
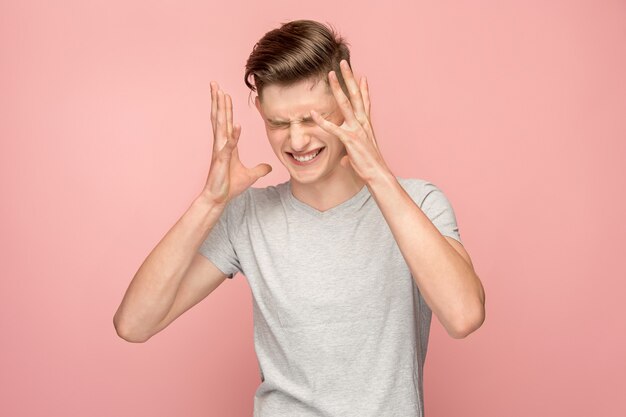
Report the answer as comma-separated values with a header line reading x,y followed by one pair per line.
x,y
304,179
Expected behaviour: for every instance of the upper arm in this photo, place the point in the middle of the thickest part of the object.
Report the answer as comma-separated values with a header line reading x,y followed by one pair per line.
x,y
200,280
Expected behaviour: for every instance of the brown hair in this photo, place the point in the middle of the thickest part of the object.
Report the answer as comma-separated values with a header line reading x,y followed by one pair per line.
x,y
298,50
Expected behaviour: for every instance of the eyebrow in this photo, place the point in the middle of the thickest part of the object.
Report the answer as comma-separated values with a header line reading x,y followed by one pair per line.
x,y
304,119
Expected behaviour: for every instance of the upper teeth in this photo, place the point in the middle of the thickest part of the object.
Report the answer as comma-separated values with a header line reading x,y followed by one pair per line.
x,y
307,158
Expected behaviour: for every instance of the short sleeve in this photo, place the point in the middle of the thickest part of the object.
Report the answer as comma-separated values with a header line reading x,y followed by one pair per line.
x,y
437,207
219,245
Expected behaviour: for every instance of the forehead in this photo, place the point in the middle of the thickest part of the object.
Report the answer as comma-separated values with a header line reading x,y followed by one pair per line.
x,y
295,101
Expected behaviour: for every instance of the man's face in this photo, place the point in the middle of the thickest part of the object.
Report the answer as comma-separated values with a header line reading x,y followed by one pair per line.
x,y
291,130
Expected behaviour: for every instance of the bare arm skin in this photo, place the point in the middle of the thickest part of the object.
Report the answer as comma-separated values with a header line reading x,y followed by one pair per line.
x,y
440,265
175,277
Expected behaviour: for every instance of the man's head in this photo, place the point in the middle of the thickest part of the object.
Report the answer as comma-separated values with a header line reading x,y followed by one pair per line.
x,y
290,66
300,50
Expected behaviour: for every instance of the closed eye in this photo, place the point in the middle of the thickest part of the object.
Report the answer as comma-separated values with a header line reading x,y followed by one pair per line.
x,y
305,121
277,126
309,122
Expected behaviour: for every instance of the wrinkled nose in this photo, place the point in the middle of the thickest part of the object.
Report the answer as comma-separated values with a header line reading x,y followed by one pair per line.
x,y
299,137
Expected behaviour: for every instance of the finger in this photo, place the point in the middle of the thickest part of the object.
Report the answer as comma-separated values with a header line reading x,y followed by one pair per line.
x,y
367,104
353,90
342,100
235,151
231,142
229,115
366,96
329,127
220,132
236,133
214,88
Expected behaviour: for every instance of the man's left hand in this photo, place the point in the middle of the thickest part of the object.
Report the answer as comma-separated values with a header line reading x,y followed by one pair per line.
x,y
356,132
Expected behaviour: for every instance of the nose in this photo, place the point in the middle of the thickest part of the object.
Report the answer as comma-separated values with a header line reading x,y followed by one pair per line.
x,y
299,137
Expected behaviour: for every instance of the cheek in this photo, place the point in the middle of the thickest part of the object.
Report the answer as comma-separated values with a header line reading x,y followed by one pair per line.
x,y
277,141
276,137
319,132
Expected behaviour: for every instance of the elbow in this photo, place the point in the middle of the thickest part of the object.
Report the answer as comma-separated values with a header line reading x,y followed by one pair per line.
x,y
469,324
123,332
472,319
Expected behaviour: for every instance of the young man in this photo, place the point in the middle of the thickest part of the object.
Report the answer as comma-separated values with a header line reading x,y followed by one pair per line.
x,y
346,262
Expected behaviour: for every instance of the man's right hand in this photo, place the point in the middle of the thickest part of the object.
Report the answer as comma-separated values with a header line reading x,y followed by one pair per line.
x,y
227,176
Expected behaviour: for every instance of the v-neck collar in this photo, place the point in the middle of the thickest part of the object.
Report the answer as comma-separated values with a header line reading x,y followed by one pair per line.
x,y
349,206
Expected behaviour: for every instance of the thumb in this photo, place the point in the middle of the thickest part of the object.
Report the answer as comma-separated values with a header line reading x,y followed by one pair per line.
x,y
261,170
345,161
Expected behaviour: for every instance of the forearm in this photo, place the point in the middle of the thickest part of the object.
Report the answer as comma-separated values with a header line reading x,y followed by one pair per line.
x,y
445,279
153,289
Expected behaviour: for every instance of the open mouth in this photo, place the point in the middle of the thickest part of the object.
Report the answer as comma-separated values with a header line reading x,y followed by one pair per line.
x,y
308,159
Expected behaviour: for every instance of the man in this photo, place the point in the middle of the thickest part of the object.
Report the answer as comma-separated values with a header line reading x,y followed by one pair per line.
x,y
346,262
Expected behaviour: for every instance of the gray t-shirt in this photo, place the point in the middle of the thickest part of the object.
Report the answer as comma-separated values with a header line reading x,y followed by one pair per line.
x,y
340,327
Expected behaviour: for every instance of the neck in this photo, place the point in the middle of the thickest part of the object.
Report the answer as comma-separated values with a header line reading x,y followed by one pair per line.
x,y
328,192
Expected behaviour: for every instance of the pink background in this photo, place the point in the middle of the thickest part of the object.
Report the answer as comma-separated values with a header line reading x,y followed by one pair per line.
x,y
515,109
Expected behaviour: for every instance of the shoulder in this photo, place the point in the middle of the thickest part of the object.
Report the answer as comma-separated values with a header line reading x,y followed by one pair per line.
x,y
421,190
261,201
435,204
254,196
266,195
